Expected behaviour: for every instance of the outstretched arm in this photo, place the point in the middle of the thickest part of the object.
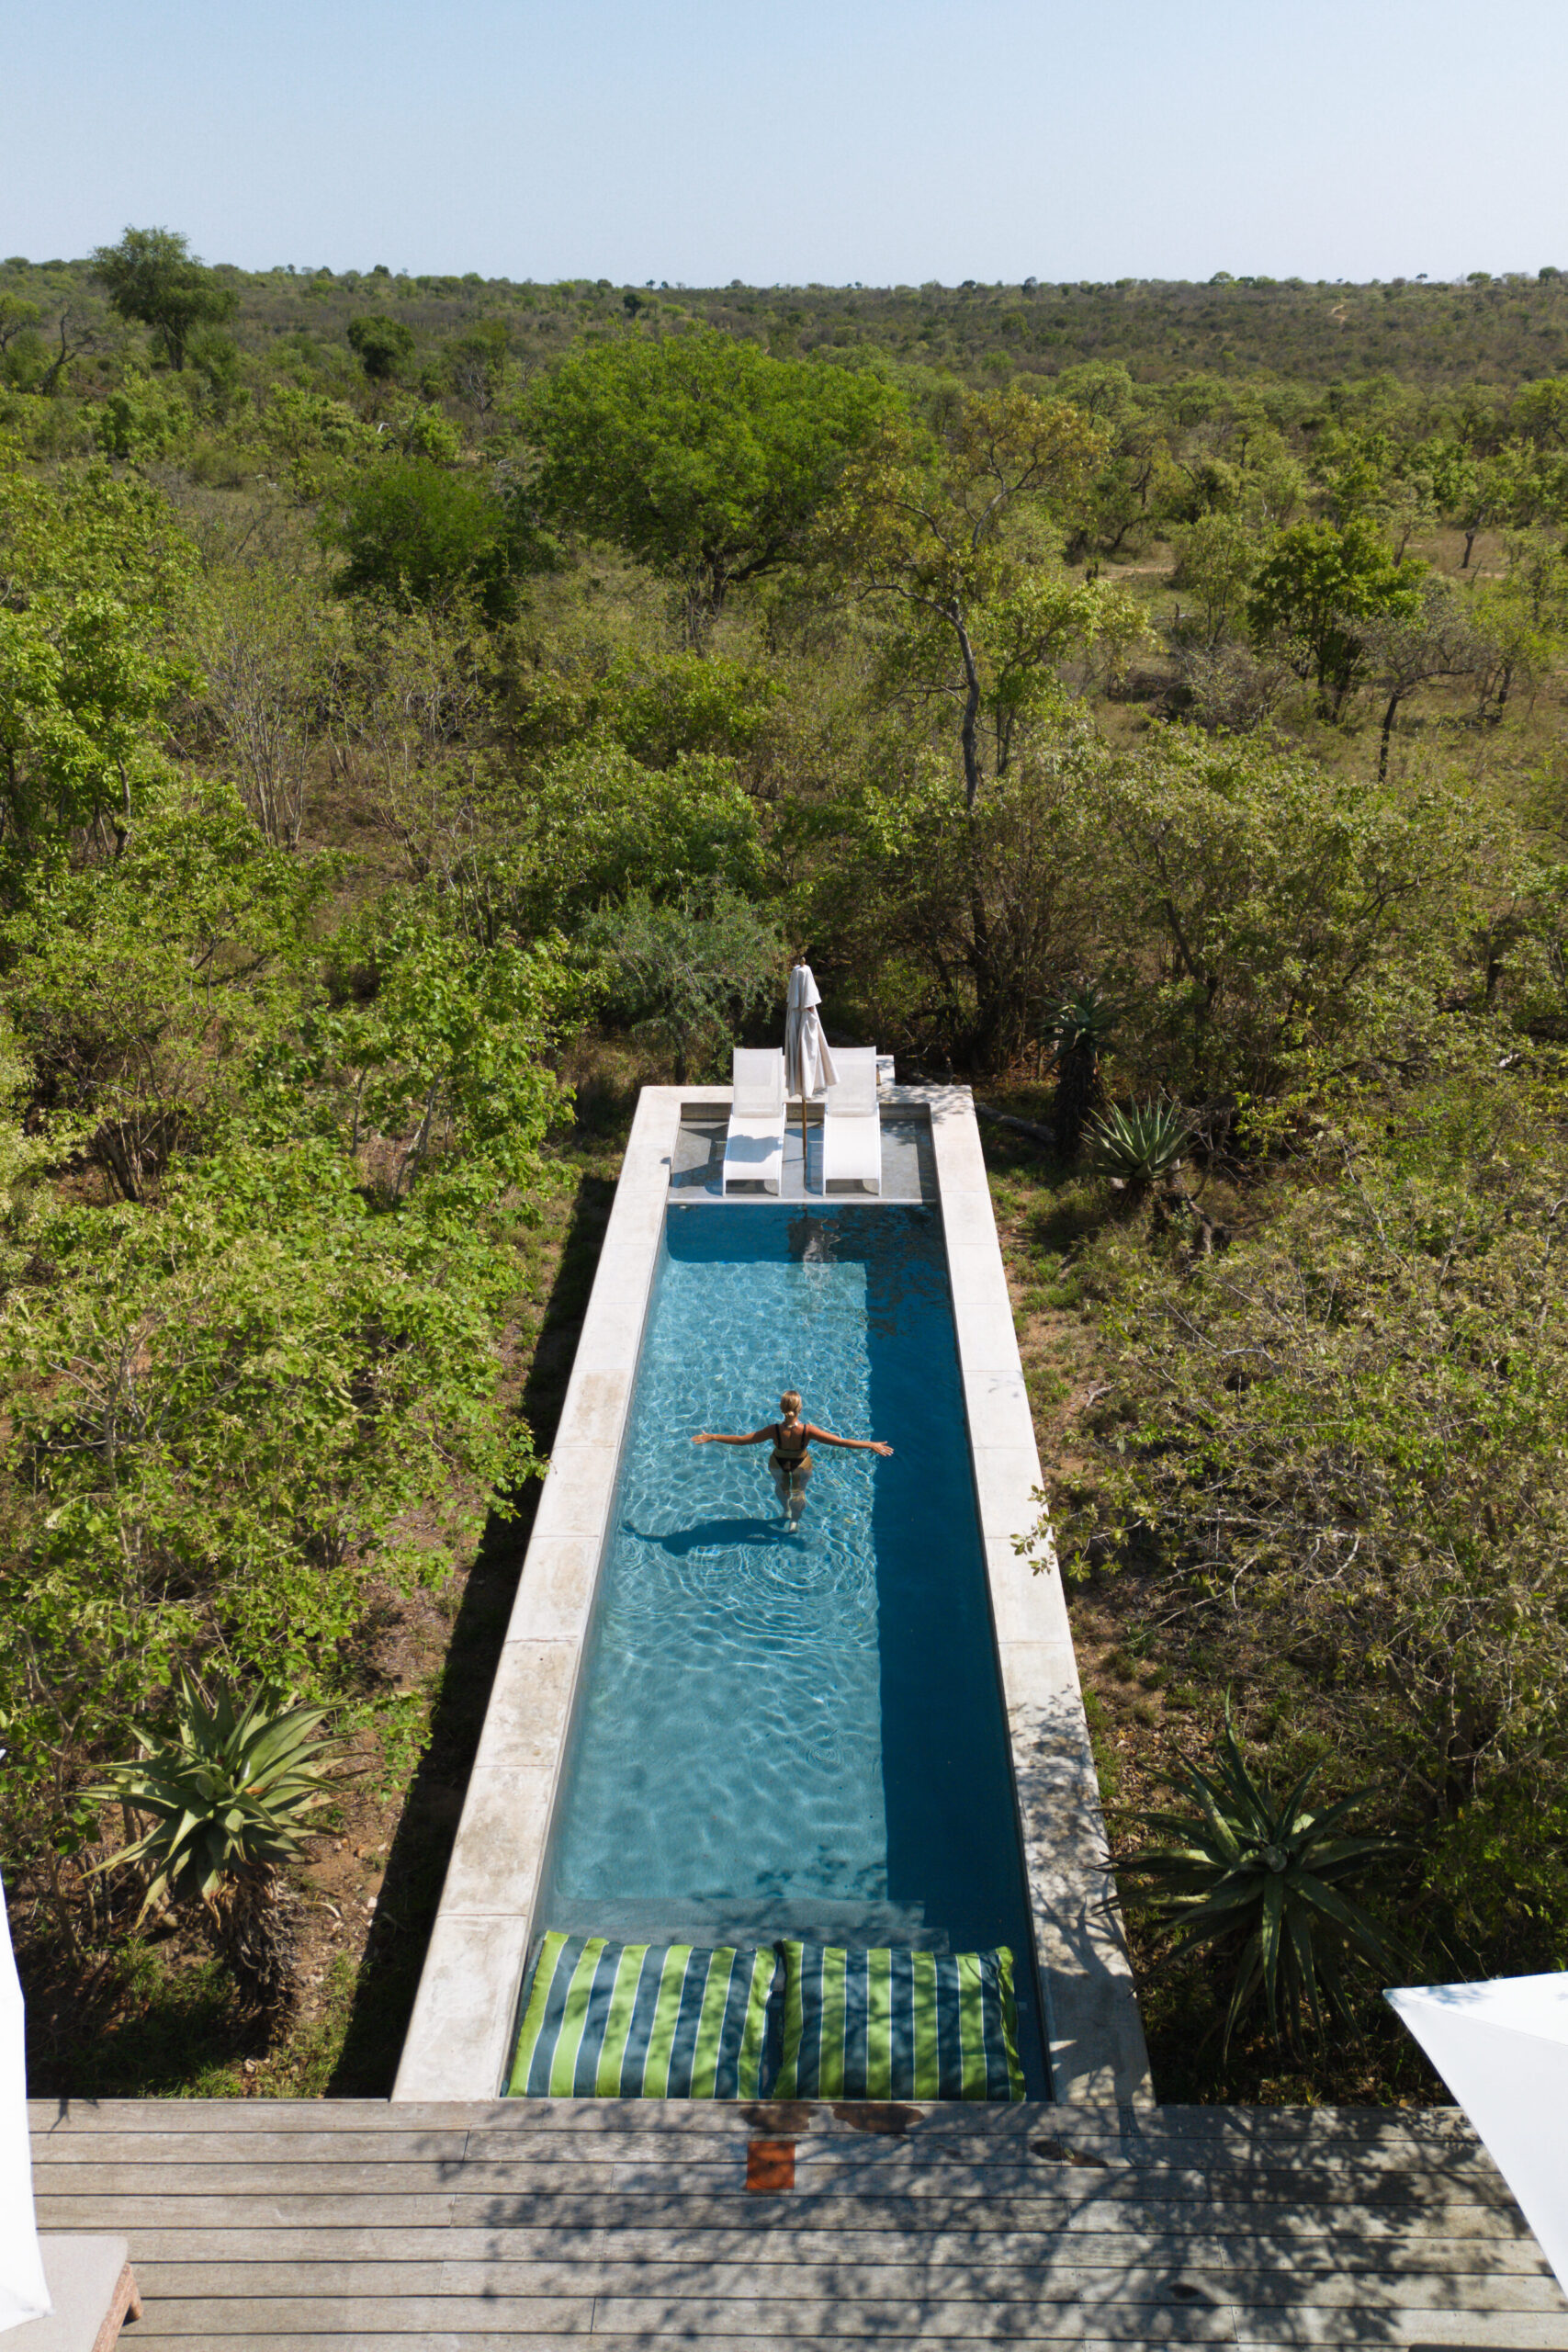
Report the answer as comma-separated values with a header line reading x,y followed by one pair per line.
x,y
713,1437
851,1445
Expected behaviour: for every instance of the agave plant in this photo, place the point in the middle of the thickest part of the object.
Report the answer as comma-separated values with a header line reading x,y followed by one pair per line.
x,y
229,1788
1078,1027
1138,1145
1263,1878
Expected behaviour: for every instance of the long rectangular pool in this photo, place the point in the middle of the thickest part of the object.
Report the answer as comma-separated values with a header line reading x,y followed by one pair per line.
x,y
797,1733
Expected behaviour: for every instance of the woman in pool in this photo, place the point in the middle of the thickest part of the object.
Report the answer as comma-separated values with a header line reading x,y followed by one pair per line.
x,y
790,1460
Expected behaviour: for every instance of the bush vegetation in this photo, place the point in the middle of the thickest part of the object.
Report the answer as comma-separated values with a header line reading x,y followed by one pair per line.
x,y
427,705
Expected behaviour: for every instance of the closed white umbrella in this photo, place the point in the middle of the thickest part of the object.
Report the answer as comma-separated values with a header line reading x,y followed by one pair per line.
x,y
808,1066
1501,2048
23,2292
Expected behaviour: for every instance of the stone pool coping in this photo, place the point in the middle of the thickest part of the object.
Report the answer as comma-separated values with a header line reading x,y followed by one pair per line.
x,y
459,2036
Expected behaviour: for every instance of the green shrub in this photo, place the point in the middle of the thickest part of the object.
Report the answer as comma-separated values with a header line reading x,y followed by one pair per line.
x,y
1262,1880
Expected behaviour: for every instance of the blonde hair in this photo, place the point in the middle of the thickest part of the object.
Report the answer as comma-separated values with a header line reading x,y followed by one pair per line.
x,y
789,1401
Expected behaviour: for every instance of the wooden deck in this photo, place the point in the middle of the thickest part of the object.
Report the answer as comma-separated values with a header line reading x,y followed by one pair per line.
x,y
358,2226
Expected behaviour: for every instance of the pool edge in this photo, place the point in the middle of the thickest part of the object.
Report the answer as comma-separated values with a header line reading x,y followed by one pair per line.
x,y
460,2034
1094,2033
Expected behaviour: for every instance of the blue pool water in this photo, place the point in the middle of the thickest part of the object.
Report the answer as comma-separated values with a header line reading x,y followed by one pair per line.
x,y
795,1733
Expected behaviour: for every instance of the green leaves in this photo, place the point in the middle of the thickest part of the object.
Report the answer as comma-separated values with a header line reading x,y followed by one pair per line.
x,y
450,1053
1319,578
685,977
227,1418
411,528
1138,1145
1352,1430
230,1788
151,274
1261,1878
699,455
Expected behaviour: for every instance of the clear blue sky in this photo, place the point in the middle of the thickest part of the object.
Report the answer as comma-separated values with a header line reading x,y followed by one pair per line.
x,y
888,141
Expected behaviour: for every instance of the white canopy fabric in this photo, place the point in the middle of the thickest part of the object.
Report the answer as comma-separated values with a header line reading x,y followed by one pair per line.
x,y
24,2293
1501,2048
808,1066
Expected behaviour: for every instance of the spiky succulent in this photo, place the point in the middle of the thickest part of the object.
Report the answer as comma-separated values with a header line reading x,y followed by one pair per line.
x,y
228,1787
1140,1144
1082,1019
1078,1028
1264,1878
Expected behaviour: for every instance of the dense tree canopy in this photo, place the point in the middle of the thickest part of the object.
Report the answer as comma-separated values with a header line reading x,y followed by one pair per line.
x,y
151,274
698,456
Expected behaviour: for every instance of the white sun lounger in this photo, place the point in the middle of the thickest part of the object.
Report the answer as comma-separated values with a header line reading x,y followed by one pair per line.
x,y
851,1121
753,1149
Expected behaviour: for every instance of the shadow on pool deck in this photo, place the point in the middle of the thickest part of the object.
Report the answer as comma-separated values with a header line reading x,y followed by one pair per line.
x,y
416,1865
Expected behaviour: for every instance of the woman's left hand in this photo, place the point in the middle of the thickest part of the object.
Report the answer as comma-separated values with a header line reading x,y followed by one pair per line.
x,y
877,1446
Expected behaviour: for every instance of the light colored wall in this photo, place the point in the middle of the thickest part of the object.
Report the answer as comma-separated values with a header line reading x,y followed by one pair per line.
x,y
458,2038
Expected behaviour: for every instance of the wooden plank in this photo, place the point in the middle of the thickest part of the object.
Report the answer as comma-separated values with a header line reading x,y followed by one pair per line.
x,y
466,2342
128,2211
212,2318
1280,2126
679,2207
251,2114
786,2321
178,2150
1345,2253
239,2179
845,2281
356,2341
925,2186
1466,2331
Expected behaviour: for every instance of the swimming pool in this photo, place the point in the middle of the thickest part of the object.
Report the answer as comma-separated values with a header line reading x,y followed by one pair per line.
x,y
783,1733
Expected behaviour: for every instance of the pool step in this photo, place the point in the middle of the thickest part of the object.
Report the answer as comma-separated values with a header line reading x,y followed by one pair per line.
x,y
755,1923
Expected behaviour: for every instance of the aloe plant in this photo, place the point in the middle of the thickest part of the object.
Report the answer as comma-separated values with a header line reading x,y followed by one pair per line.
x,y
1078,1027
229,1788
1139,1145
1263,1879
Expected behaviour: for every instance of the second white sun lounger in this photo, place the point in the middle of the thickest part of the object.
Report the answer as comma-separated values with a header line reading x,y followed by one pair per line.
x,y
753,1149
852,1120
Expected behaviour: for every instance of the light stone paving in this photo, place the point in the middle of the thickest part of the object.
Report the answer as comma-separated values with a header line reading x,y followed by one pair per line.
x,y
459,2036
458,2040
1096,2037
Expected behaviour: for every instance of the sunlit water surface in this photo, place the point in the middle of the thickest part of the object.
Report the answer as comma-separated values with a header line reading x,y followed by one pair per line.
x,y
795,1733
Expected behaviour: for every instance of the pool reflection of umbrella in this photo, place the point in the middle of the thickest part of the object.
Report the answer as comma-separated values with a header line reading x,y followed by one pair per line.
x,y
808,1066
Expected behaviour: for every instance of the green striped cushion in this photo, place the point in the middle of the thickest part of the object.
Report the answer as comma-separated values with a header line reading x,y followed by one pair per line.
x,y
898,2025
605,2020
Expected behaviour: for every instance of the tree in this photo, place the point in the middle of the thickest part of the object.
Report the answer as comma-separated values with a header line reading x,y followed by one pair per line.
x,y
1349,1431
1216,558
416,530
1404,650
1317,585
382,345
476,364
143,984
268,651
701,456
925,526
151,274
1269,916
228,1421
684,976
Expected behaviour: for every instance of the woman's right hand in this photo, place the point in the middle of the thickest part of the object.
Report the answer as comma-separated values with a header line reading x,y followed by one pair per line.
x,y
704,1437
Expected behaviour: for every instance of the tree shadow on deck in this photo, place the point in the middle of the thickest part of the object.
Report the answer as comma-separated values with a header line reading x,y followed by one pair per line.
x,y
416,1866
